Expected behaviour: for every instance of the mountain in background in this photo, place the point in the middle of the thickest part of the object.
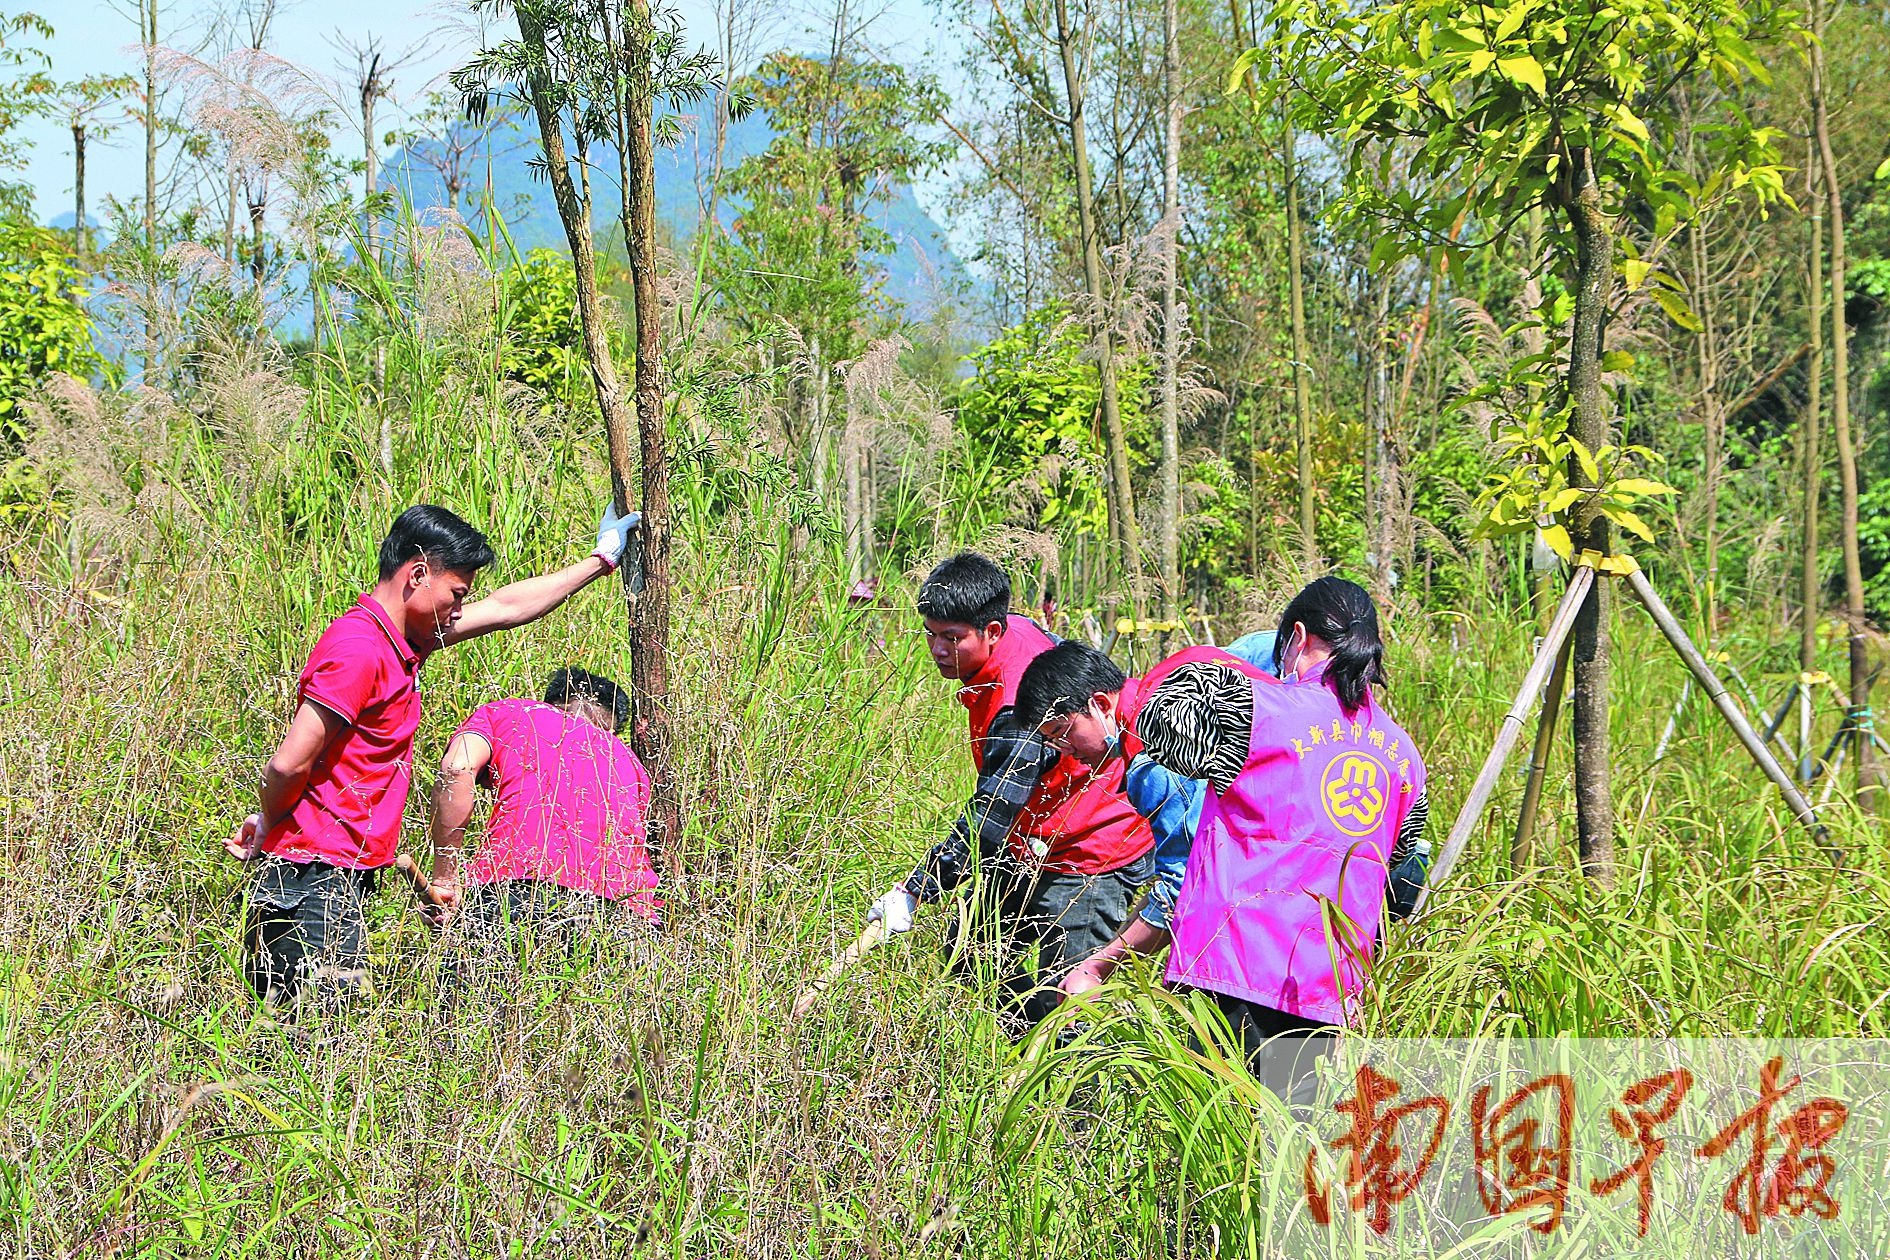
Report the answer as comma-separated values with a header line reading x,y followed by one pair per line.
x,y
919,273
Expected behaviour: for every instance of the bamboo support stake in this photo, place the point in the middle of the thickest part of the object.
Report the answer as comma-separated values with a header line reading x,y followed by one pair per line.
x,y
1807,768
1714,688
873,936
1522,849
1559,628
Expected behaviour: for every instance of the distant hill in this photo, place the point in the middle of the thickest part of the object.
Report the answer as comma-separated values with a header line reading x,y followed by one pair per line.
x,y
922,267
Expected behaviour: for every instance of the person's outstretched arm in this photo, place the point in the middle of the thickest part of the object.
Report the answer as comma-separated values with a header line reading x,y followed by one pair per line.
x,y
519,603
466,759
1014,761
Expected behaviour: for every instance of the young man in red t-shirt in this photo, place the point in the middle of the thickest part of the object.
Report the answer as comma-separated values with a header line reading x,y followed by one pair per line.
x,y
333,793
565,844
1062,851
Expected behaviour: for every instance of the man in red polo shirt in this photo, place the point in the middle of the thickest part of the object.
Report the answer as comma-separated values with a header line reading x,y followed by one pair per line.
x,y
333,793
564,847
1062,851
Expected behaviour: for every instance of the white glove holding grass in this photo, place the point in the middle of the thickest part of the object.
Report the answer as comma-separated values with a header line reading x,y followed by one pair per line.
x,y
613,534
894,910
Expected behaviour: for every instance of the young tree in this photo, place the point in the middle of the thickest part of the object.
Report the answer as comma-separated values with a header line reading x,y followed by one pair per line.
x,y
595,69
25,93
83,107
450,136
1870,776
370,81
1073,48
1171,312
1811,427
800,248
1540,104
147,11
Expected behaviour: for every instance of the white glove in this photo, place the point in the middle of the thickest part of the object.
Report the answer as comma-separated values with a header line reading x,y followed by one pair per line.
x,y
613,534
894,910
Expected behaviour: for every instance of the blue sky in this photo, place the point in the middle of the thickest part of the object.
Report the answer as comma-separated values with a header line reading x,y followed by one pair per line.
x,y
98,37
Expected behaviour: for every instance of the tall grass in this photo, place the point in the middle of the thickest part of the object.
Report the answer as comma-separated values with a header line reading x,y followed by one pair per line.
x,y
656,1099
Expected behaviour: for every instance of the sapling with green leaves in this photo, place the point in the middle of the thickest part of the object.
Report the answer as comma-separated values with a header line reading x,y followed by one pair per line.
x,y
596,69
1557,105
85,107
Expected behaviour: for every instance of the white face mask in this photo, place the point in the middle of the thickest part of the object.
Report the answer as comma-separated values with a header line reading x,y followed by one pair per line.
x,y
1111,730
1289,659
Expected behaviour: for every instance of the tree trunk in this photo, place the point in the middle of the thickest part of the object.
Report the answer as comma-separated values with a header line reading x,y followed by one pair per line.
x,y
574,211
1594,263
258,254
1870,780
1812,427
370,92
1171,315
148,32
371,88
232,186
1122,493
1302,385
649,608
853,508
80,237
1714,420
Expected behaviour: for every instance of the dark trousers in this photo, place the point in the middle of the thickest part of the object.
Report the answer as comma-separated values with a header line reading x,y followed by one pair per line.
x,y
1040,924
502,922
305,931
1282,1050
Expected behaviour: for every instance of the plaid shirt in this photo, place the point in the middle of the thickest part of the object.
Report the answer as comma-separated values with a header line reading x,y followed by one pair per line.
x,y
1014,761
1199,724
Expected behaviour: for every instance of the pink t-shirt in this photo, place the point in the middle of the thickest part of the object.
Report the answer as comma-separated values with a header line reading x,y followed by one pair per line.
x,y
571,804
349,815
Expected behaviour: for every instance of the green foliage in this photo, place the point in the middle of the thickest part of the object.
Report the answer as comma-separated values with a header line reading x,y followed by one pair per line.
x,y
1029,415
44,326
1873,542
1534,490
801,247
26,92
1548,476
546,347
1213,524
1512,106
1500,110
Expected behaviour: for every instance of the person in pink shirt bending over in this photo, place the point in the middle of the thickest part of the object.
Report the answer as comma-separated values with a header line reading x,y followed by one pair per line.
x,y
565,844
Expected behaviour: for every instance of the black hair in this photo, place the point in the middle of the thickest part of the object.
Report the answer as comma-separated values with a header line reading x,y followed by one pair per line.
x,y
447,542
572,684
1062,680
1341,615
967,588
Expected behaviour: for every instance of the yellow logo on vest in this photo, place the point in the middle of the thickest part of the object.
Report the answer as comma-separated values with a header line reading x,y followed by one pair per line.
x,y
1354,791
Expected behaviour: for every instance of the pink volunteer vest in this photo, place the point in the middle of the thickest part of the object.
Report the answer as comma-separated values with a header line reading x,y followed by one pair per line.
x,y
1309,822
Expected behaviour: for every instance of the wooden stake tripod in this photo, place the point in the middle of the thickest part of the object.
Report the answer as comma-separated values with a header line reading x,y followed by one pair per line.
x,y
1551,666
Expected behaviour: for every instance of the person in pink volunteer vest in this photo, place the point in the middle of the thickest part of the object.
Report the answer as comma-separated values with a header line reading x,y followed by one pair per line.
x,y
1315,797
564,847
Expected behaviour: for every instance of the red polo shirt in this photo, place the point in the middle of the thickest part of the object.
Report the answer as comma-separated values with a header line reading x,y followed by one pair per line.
x,y
349,815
